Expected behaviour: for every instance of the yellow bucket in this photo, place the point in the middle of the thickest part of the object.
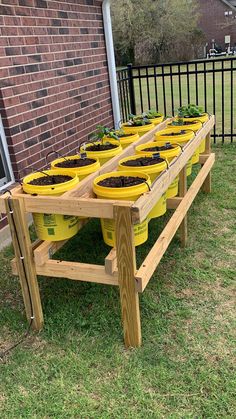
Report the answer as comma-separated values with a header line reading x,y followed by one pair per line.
x,y
81,171
130,193
181,137
156,120
104,155
204,118
153,171
167,153
194,126
141,130
53,227
126,141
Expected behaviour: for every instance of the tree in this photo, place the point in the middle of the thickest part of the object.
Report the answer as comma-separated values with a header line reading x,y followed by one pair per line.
x,y
148,31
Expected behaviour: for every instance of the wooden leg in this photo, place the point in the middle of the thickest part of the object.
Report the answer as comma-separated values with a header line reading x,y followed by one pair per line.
x,y
206,187
208,144
126,262
182,192
25,261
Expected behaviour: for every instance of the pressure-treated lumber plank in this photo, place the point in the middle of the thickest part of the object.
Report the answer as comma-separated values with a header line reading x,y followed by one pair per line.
x,y
86,207
126,262
47,248
111,262
173,203
14,268
14,191
182,193
203,158
206,187
77,271
25,262
3,209
152,260
145,203
208,143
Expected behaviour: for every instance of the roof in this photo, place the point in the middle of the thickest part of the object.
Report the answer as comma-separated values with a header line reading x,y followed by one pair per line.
x,y
230,3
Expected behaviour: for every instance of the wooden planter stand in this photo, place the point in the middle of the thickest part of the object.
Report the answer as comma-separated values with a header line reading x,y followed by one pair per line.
x,y
120,264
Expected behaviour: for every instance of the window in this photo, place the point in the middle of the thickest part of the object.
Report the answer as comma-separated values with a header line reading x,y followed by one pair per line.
x,y
6,174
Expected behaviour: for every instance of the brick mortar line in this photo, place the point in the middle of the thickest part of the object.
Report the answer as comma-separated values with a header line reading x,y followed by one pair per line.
x,y
61,125
52,78
52,69
51,52
103,97
44,35
44,62
53,120
56,136
51,95
49,104
53,1
48,88
52,145
83,15
11,26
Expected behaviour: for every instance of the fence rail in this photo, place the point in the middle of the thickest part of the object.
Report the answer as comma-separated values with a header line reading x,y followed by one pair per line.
x,y
166,87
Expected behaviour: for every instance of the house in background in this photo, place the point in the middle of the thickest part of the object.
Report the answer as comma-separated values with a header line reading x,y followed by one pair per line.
x,y
217,19
57,80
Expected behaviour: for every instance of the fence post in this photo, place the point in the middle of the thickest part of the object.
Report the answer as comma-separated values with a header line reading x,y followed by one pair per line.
x,y
131,89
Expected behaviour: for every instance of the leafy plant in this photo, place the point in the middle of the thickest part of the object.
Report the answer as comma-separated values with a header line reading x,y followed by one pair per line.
x,y
152,113
177,122
190,110
117,133
101,133
138,120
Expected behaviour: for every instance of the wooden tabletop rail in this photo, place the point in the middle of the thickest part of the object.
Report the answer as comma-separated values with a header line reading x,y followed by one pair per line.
x,y
120,264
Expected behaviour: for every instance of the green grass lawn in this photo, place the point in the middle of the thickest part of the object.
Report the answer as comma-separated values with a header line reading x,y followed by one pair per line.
x,y
77,366
210,88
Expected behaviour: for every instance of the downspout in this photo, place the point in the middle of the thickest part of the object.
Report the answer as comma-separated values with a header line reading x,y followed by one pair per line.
x,y
106,6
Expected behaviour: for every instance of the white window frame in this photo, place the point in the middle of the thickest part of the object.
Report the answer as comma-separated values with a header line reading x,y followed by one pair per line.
x,y
9,178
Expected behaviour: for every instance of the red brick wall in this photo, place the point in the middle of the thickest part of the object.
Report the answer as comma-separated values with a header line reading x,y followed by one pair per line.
x,y
54,86
215,24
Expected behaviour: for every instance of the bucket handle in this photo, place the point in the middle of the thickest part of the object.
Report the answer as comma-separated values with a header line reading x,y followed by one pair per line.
x,y
40,171
57,153
149,187
83,154
163,158
161,174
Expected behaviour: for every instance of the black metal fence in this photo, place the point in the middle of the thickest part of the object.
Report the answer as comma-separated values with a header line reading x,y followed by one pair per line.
x,y
209,83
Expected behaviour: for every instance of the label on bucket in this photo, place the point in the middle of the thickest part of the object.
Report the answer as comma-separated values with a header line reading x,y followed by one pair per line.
x,y
108,229
55,226
49,220
159,209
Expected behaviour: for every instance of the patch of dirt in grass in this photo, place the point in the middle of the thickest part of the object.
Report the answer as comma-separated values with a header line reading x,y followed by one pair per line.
x,y
199,256
226,308
36,342
222,263
186,293
23,391
216,289
2,401
6,339
218,352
